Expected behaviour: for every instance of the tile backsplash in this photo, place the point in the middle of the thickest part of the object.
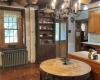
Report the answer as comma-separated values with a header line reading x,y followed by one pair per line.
x,y
94,38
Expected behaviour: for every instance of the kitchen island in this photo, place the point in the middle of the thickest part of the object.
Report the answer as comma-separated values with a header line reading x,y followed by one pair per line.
x,y
95,64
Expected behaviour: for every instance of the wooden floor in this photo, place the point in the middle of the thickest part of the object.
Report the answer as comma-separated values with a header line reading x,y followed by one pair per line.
x,y
25,72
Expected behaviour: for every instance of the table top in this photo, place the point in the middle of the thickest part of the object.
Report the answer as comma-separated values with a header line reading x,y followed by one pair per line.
x,y
56,67
84,55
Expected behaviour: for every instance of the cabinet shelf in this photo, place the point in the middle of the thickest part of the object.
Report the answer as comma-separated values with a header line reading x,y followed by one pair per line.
x,y
47,44
46,30
46,16
47,37
46,23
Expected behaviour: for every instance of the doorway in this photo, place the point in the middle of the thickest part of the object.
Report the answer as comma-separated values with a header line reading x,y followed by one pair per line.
x,y
61,38
81,34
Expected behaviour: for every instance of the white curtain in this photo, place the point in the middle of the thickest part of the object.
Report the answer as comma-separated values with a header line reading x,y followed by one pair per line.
x,y
8,13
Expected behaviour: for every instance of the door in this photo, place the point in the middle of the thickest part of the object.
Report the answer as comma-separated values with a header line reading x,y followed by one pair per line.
x,y
81,34
61,39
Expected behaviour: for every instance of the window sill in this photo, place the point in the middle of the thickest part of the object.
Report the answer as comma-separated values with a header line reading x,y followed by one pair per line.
x,y
17,48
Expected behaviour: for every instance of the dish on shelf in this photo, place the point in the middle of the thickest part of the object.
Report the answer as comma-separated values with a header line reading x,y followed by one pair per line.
x,y
41,35
50,35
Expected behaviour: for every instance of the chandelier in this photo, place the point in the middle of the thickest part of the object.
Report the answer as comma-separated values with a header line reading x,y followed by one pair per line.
x,y
70,6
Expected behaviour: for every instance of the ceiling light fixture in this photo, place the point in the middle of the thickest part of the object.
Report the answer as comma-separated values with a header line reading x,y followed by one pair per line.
x,y
71,6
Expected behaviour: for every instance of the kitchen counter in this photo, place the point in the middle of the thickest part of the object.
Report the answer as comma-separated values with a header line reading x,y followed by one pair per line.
x,y
95,64
92,43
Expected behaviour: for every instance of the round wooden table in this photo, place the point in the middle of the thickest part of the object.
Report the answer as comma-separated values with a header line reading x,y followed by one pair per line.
x,y
56,67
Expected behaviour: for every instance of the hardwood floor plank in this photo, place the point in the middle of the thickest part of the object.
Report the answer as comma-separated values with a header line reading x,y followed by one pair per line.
x,y
25,72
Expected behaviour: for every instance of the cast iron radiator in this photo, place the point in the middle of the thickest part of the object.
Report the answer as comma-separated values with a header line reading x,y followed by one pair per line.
x,y
14,58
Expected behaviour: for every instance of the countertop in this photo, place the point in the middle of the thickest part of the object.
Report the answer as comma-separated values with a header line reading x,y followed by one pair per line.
x,y
84,55
92,43
95,64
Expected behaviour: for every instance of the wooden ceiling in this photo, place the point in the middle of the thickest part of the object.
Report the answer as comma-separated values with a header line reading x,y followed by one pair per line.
x,y
43,3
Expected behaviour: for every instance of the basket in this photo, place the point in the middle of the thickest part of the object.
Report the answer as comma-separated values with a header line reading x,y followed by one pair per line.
x,y
47,10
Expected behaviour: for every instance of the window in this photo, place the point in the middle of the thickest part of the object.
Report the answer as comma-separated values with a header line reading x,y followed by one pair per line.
x,y
57,32
63,31
11,28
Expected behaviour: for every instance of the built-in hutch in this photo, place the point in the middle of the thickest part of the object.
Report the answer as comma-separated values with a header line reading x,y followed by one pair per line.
x,y
45,36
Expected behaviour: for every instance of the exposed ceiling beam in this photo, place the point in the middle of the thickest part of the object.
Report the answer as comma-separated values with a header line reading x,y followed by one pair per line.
x,y
42,3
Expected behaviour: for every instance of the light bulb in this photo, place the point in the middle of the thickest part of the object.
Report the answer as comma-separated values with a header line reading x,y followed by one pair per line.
x,y
85,7
99,3
79,4
62,6
54,1
79,1
53,5
75,7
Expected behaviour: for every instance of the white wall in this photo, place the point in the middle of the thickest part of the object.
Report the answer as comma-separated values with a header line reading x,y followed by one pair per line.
x,y
83,15
71,26
71,36
30,30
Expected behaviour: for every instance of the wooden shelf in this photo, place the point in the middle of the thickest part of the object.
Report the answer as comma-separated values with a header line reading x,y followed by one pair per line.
x,y
46,30
46,16
46,37
47,23
45,44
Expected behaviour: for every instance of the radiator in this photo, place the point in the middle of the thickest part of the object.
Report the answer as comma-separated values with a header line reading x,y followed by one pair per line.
x,y
14,58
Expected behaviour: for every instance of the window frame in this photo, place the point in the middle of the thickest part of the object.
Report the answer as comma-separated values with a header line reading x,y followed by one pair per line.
x,y
21,30
11,29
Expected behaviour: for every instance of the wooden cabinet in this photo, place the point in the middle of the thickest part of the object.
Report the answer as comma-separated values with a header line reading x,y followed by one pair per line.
x,y
97,21
45,36
91,27
45,52
94,21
